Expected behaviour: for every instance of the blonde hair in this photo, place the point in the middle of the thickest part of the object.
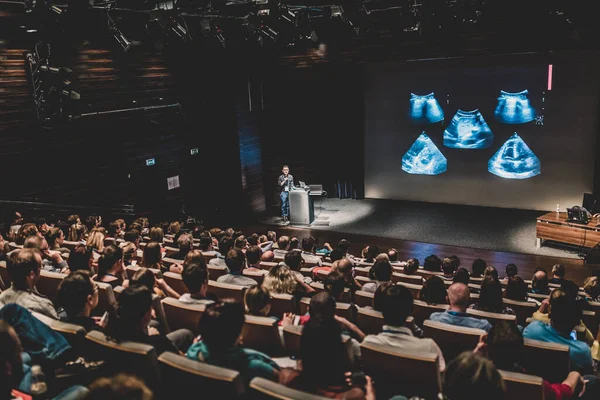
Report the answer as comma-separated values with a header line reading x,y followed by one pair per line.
x,y
280,279
157,234
95,239
591,286
257,301
174,227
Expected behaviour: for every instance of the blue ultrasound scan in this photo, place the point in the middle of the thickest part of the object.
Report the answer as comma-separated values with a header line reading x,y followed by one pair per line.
x,y
514,108
425,109
424,158
468,130
514,160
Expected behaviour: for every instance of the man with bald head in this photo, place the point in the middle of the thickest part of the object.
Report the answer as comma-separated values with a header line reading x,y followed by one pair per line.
x,y
267,256
458,298
539,283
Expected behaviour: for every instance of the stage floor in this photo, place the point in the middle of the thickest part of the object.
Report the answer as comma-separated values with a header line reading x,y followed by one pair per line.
x,y
496,229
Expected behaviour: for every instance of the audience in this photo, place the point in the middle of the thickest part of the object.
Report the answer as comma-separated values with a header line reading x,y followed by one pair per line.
x,y
447,269
225,244
490,298
110,267
478,268
491,271
539,282
77,297
281,279
51,260
185,243
558,274
80,259
195,279
516,289
511,270
382,270
236,261
152,256
470,376
119,387
434,291
346,267
411,267
55,238
432,263
591,287
257,301
462,276
146,278
458,298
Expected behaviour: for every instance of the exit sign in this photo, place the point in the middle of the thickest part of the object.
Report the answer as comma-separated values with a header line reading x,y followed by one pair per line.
x,y
150,162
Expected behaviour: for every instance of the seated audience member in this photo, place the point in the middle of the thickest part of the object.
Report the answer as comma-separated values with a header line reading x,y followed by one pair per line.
x,y
343,246
112,232
325,364
272,236
257,301
152,257
133,236
591,287
55,238
220,330
25,231
51,260
539,282
346,267
448,269
80,259
240,243
490,271
396,304
283,244
185,242
13,227
122,226
295,261
504,346
267,256
281,279
253,255
432,263
95,239
462,276
478,268
175,230
516,289
564,315
382,270
456,261
77,232
236,261
511,270
471,376
77,297
130,320
411,267
458,298
157,234
434,291
294,244
110,267
308,252
371,254
253,239
393,256
490,298
146,278
129,254
206,243
225,244
195,278
23,267
119,387
558,274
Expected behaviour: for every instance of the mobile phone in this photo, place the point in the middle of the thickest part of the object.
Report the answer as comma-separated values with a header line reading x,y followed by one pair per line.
x,y
358,379
104,319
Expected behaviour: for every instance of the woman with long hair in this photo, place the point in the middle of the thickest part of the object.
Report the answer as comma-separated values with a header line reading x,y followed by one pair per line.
x,y
433,291
490,297
152,257
95,239
281,279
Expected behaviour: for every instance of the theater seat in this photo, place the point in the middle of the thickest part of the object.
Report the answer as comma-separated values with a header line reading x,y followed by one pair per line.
x,y
75,334
282,303
176,282
48,283
422,310
400,372
491,317
523,309
182,316
106,298
522,386
371,321
342,309
452,339
414,289
131,270
362,271
182,377
363,299
267,265
265,389
214,272
413,279
262,334
551,361
258,276
226,290
291,340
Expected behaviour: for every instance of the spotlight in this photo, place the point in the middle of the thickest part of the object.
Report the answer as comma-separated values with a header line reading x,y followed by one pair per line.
x,y
219,35
337,12
179,28
262,8
56,9
117,34
267,32
71,94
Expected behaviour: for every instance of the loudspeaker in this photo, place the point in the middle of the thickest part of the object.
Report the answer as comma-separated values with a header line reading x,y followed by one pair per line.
x,y
593,255
591,202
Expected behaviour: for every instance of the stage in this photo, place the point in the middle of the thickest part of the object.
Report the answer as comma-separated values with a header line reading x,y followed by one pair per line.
x,y
496,229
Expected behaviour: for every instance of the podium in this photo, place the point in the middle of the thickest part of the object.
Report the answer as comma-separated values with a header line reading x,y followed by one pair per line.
x,y
302,210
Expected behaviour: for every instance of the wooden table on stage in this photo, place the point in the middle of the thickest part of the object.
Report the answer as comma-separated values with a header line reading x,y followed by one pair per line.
x,y
554,226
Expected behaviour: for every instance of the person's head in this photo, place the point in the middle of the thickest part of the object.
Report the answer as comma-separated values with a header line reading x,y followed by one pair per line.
x,y
382,269
95,239
133,313
221,326
344,246
77,294
283,242
345,267
144,277
229,232
372,253
336,254
478,268
80,258
73,219
565,313
225,244
591,286
558,271
285,169
253,239
516,289
235,260
395,302
37,243
448,266
308,244
411,267
294,244
434,291
257,300
113,229
392,255
490,296
195,278
324,358
11,363
129,252
458,297
294,260
77,232
335,283
272,236
157,234
253,254
280,279
174,227
462,275
267,256
23,267
25,231
570,288
185,242
133,236
111,260
505,345
205,243
511,270
152,256
93,221
119,387
121,224
55,238
240,242
471,376
322,305
432,263
194,257
540,281
491,271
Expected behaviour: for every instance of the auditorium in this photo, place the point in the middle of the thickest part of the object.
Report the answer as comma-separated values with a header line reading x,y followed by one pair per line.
x,y
276,199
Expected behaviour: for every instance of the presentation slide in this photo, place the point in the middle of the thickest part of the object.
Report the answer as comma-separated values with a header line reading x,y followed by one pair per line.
x,y
512,131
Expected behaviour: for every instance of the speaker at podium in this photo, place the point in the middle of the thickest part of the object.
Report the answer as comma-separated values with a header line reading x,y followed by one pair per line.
x,y
302,211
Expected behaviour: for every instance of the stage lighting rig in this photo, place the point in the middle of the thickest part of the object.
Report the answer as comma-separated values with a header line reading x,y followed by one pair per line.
x,y
117,34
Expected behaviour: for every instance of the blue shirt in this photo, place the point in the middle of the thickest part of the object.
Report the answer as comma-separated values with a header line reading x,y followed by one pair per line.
x,y
460,319
579,351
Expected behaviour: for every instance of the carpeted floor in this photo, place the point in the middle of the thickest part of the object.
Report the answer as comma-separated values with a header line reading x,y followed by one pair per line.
x,y
487,228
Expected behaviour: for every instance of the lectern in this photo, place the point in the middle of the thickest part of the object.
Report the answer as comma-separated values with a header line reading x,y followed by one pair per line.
x,y
302,210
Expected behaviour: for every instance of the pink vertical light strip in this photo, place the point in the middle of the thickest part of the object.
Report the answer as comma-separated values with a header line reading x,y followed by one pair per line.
x,y
549,76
